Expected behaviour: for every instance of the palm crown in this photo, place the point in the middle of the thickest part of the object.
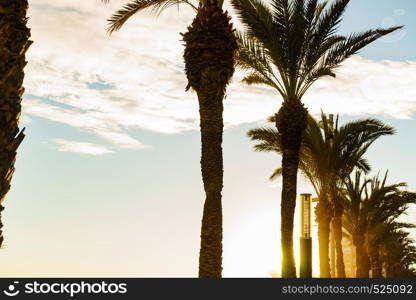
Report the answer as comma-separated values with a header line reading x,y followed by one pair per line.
x,y
369,203
327,155
291,44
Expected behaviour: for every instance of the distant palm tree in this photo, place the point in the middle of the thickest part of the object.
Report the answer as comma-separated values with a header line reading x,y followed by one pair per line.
x,y
369,204
14,42
210,48
399,254
327,157
289,46
379,236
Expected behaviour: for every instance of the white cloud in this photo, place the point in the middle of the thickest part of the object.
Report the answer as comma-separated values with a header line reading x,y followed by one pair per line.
x,y
81,147
141,71
368,87
121,139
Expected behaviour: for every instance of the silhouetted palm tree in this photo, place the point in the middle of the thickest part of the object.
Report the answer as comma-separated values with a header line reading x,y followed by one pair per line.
x,y
210,47
327,157
399,254
14,42
346,147
370,204
289,46
379,236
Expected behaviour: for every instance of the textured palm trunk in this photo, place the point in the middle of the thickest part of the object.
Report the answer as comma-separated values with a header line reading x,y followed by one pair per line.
x,y
389,269
290,122
1,226
210,259
376,264
361,256
14,42
324,216
338,240
210,47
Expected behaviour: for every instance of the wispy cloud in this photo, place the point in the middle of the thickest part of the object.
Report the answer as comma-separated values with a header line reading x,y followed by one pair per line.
x,y
81,147
134,79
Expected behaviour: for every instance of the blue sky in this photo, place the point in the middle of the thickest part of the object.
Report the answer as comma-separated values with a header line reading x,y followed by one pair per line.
x,y
108,180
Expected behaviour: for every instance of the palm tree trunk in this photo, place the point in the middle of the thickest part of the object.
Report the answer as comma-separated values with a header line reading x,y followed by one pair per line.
x,y
14,42
210,258
362,259
389,269
210,47
376,265
291,121
1,226
324,216
338,239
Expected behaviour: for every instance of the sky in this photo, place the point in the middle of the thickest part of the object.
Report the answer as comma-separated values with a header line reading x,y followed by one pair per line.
x,y
107,180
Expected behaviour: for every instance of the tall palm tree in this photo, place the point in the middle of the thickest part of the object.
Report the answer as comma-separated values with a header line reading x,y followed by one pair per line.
x,y
210,48
348,143
370,204
327,157
14,42
288,46
354,221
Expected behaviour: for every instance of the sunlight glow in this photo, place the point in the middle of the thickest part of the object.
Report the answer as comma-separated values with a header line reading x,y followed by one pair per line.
x,y
260,255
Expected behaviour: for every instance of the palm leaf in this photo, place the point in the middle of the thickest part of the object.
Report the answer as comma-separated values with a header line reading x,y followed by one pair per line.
x,y
277,173
120,17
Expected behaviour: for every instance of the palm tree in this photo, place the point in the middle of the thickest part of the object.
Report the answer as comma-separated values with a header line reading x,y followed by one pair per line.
x,y
210,48
354,221
348,144
399,254
378,236
288,47
383,217
327,157
369,205
383,220
14,42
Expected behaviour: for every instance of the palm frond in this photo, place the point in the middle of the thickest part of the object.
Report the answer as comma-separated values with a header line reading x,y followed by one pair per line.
x,y
260,23
329,20
276,174
253,56
257,18
120,17
354,43
266,135
256,78
299,39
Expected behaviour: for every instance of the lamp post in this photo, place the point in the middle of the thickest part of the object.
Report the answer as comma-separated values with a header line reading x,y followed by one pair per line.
x,y
305,237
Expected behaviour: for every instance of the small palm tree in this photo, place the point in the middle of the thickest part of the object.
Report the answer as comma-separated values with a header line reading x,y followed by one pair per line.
x,y
378,236
399,254
288,47
210,47
327,157
14,42
370,204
